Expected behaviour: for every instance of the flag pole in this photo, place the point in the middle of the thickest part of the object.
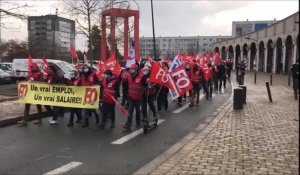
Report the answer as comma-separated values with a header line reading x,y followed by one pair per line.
x,y
154,47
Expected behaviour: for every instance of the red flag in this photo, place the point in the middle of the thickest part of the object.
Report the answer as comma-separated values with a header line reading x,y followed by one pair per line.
x,y
45,67
30,63
110,62
149,58
117,68
123,111
77,66
160,76
181,79
73,52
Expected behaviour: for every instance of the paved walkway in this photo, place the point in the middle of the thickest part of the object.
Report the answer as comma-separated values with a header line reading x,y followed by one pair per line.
x,y
263,138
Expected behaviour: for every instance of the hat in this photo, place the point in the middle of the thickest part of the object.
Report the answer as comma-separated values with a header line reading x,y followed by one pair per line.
x,y
134,66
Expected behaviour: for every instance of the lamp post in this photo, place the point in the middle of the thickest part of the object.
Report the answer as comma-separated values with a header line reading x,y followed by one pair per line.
x,y
154,46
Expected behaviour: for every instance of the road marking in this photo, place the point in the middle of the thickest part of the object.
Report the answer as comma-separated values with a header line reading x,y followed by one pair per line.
x,y
65,168
286,89
132,135
182,108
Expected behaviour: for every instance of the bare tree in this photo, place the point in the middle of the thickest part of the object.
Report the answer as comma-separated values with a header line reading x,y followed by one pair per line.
x,y
87,13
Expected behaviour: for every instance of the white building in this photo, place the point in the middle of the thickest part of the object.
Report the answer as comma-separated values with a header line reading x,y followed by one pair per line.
x,y
168,46
243,27
41,30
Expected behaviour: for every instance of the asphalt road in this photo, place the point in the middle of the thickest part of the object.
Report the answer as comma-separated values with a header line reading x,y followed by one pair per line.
x,y
44,148
9,89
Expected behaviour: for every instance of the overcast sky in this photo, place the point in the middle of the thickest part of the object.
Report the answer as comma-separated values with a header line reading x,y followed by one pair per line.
x,y
174,18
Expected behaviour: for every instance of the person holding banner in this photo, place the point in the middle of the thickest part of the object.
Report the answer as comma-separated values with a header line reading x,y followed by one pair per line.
x,y
110,87
149,94
195,77
74,81
49,79
135,96
34,75
88,79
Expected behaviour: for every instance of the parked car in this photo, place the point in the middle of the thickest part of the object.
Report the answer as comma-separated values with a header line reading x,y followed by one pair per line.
x,y
5,77
20,67
6,67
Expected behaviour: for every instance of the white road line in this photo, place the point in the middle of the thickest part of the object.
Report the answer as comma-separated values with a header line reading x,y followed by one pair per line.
x,y
286,89
132,135
185,106
64,169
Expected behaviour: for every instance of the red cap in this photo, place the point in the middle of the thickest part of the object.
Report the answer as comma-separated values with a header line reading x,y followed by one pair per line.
x,y
134,66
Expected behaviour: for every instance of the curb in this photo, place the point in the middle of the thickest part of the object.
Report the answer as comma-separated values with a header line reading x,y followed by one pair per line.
x,y
200,132
8,99
15,119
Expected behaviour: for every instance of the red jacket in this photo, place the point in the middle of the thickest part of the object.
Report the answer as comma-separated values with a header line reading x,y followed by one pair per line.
x,y
195,76
89,81
109,88
37,76
207,73
135,87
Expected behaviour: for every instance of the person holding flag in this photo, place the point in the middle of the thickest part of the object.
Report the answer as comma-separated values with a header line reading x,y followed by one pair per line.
x,y
135,96
124,81
110,87
162,95
148,94
195,77
34,75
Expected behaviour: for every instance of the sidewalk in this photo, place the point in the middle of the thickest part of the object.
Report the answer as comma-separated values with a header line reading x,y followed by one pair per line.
x,y
263,138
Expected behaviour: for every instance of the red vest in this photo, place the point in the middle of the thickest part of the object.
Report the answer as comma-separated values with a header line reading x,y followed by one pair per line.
x,y
207,72
109,88
135,87
89,81
195,76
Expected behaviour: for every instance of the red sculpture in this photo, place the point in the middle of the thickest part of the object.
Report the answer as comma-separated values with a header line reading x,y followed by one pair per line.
x,y
125,13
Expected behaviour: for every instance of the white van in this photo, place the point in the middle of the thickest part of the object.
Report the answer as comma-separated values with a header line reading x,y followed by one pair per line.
x,y
20,67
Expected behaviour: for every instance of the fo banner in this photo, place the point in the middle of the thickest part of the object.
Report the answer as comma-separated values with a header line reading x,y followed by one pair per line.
x,y
59,95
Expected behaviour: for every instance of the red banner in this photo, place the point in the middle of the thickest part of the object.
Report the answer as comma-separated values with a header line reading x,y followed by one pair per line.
x,y
160,76
181,79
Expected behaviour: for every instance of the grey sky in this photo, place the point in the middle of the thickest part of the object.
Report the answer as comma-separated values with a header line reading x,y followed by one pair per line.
x,y
174,18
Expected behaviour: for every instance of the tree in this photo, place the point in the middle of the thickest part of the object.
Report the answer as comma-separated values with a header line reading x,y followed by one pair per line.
x,y
11,9
13,49
86,14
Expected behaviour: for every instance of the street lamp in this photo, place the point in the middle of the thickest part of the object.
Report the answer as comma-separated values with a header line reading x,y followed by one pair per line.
x,y
154,46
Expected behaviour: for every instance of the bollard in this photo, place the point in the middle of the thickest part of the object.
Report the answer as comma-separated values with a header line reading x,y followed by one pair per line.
x,y
289,80
244,88
269,91
255,77
237,98
271,79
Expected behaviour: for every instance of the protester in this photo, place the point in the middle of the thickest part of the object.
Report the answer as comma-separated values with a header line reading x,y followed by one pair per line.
x,y
229,65
74,81
124,80
162,93
195,77
88,79
110,87
135,96
51,110
221,75
295,75
35,75
207,75
148,94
